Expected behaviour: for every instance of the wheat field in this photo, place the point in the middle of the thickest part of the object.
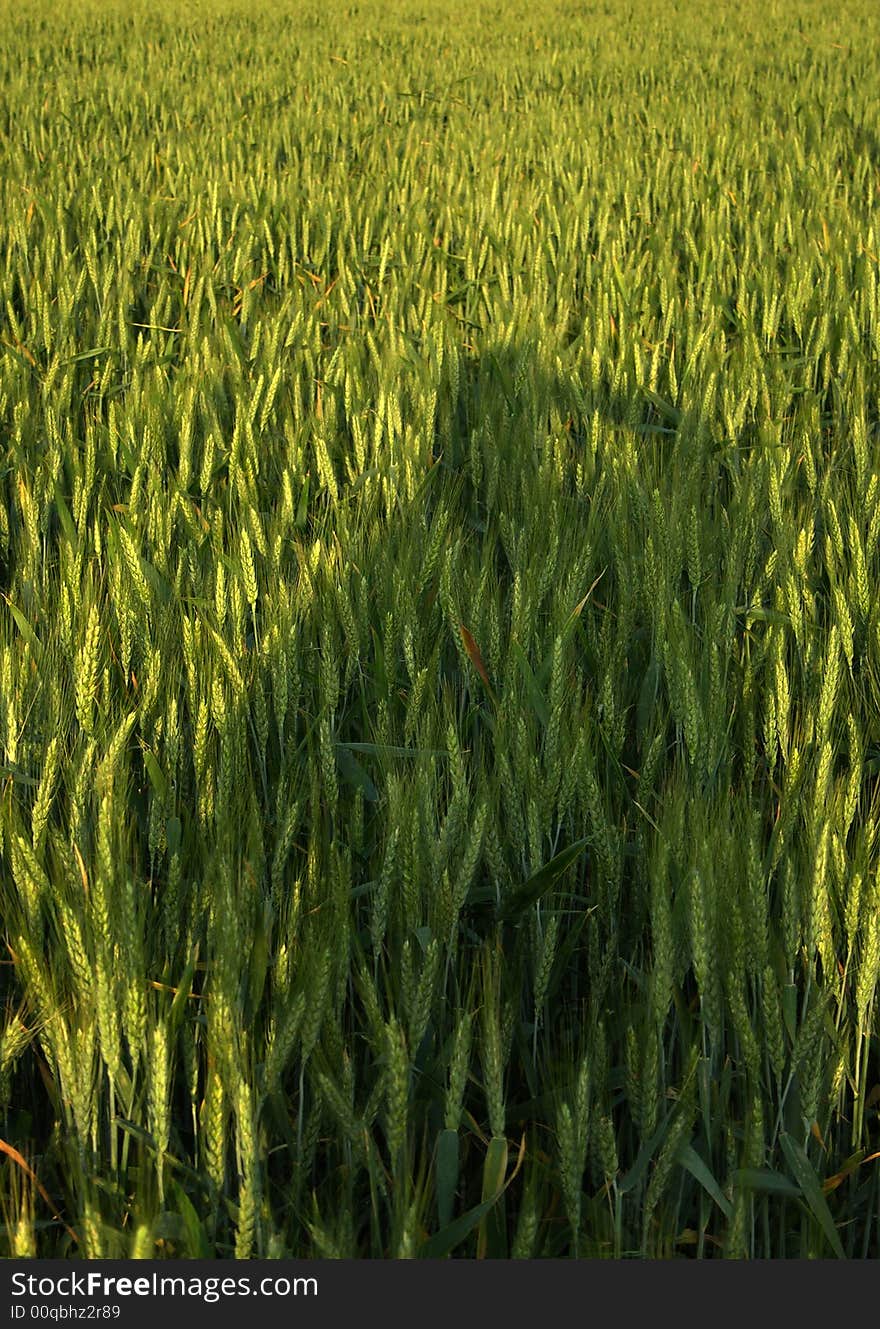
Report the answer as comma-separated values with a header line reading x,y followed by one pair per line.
x,y
439,640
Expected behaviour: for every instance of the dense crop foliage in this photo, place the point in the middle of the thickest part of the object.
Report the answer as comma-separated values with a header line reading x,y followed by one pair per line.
x,y
439,648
